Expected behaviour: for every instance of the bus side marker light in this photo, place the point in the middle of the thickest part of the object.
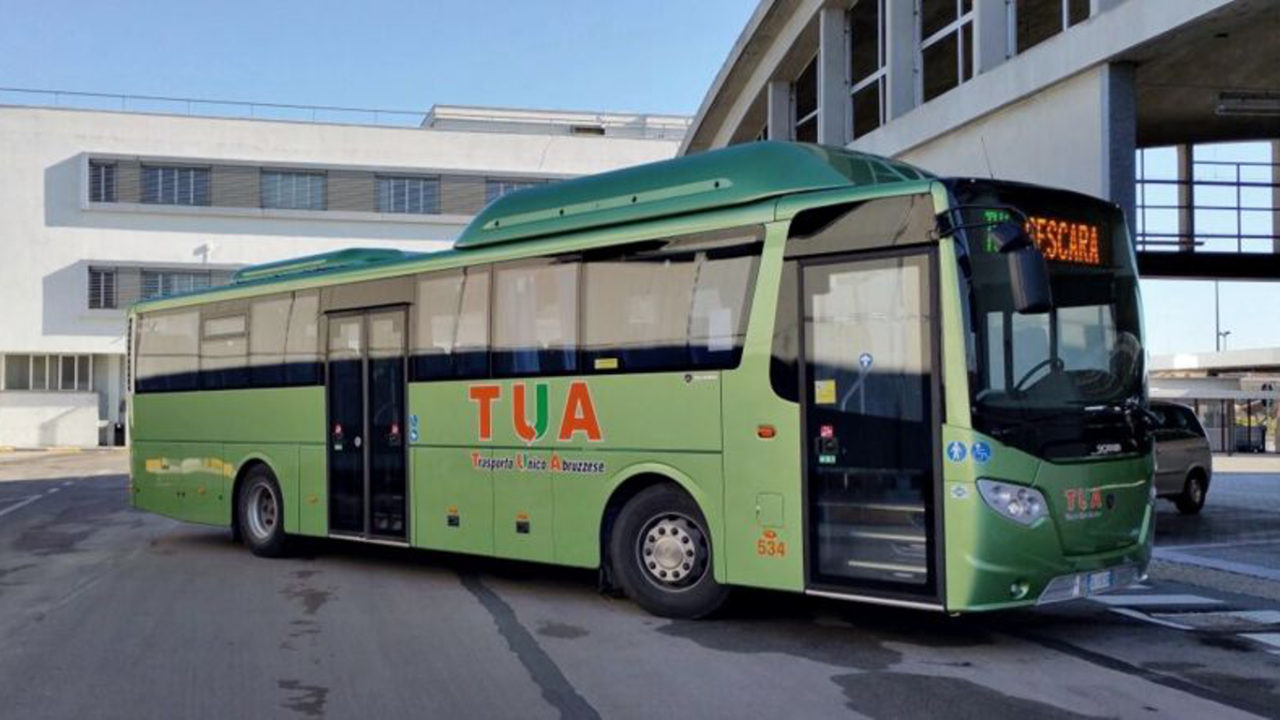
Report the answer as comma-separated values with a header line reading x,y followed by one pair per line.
x,y
766,432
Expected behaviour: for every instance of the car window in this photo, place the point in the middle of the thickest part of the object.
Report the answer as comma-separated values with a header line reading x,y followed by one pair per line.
x,y
1190,421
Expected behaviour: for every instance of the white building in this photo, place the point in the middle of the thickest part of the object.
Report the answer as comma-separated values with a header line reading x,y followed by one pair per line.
x,y
99,208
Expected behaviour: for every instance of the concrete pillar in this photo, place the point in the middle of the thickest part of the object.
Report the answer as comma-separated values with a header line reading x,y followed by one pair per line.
x,y
990,34
778,110
1120,125
900,57
833,88
1186,199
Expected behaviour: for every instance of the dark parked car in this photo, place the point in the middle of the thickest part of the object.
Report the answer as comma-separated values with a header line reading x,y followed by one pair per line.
x,y
1184,464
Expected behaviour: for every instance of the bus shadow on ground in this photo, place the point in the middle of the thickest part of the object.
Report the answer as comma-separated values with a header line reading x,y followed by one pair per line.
x,y
790,623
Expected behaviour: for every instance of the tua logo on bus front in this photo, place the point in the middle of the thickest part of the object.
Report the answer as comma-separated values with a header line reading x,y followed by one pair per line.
x,y
579,414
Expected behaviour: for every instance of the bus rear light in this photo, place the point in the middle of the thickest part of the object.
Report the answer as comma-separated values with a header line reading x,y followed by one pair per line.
x,y
1020,504
766,432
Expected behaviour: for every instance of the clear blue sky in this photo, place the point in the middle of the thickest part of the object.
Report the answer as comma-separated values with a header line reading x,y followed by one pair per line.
x,y
650,56
653,56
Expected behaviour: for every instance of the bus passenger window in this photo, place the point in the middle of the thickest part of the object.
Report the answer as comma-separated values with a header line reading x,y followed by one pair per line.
x,y
721,299
535,318
635,310
223,347
302,365
268,323
451,338
168,351
668,305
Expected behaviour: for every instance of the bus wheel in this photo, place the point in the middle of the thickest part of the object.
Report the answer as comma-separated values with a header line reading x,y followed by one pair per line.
x,y
661,553
261,514
1191,501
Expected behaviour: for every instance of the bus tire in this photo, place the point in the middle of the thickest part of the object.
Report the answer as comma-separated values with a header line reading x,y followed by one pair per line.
x,y
260,512
661,555
1194,492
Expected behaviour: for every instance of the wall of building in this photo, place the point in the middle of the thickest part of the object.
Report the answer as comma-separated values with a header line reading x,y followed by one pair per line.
x,y
51,234
35,419
1057,137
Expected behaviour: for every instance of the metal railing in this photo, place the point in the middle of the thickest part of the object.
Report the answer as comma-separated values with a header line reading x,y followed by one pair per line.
x,y
1224,206
210,108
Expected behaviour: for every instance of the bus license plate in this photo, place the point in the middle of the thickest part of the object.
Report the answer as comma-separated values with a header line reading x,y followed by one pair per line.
x,y
1100,581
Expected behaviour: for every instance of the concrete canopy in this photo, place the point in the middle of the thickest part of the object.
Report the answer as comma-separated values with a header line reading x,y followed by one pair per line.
x,y
1180,76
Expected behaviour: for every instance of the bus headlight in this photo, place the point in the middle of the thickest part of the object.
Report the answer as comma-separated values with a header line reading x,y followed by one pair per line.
x,y
1021,504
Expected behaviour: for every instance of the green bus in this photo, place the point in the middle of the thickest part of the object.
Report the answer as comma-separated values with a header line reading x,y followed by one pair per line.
x,y
775,365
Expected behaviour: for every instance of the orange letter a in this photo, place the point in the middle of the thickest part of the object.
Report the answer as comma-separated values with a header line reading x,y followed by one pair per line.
x,y
484,395
579,414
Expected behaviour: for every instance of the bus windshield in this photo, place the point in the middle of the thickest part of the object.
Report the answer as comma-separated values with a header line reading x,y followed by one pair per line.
x,y
1076,365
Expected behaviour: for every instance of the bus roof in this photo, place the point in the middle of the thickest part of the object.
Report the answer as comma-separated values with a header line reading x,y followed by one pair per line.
x,y
735,175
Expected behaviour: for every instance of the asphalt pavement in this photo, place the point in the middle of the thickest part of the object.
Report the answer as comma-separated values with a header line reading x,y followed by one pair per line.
x,y
110,613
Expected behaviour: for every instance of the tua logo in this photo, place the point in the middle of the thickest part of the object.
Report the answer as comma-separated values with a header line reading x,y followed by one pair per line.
x,y
1082,499
579,411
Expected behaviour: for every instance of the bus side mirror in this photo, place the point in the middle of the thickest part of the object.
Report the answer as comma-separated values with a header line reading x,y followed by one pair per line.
x,y
1028,270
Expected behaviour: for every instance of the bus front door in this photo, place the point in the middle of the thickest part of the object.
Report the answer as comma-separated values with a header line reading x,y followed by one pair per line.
x,y
870,423
366,429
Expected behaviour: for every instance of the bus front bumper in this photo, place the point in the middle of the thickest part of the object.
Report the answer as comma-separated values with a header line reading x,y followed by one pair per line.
x,y
1087,584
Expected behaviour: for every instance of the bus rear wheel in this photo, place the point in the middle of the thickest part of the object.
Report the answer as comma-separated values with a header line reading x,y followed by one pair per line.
x,y
661,554
260,514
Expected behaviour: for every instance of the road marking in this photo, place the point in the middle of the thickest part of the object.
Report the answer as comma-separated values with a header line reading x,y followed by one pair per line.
x,y
20,504
1147,618
1154,600
51,491
1188,558
1272,639
66,483
1261,617
1216,546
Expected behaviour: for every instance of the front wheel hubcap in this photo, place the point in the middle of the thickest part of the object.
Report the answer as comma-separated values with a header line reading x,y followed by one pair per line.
x,y
673,550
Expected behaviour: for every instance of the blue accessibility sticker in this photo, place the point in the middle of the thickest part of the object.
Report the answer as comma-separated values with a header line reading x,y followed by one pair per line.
x,y
981,452
955,451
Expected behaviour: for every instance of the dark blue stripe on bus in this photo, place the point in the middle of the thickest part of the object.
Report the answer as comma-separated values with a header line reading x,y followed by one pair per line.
x,y
477,365
242,378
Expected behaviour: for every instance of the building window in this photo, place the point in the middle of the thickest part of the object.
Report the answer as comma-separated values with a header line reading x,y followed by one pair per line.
x,y
804,104
496,188
1038,20
162,185
409,195
102,288
293,190
102,182
946,45
17,372
161,283
48,372
867,74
